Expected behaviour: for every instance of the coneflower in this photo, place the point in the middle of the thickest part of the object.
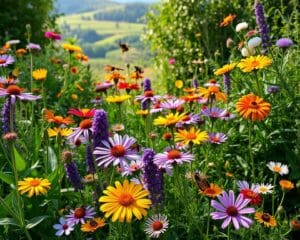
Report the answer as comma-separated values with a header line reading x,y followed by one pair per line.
x,y
262,25
153,177
100,128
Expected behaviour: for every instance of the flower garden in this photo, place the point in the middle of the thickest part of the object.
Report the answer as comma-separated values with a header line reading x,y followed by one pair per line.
x,y
129,157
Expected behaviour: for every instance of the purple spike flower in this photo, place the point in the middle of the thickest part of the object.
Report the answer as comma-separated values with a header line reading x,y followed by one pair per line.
x,y
227,83
100,128
262,25
153,177
147,85
73,175
90,166
6,116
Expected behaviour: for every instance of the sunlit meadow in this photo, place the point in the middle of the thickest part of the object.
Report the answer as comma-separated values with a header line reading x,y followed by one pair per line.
x,y
84,157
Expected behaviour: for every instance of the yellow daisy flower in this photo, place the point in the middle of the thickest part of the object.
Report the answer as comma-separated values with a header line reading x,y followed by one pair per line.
x,y
225,69
64,132
93,225
212,91
266,219
254,63
179,84
39,74
191,136
71,48
34,186
125,200
117,98
169,120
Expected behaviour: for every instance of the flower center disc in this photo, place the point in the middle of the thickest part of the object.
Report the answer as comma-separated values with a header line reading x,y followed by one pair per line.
x,y
14,90
125,199
65,226
254,63
186,118
173,154
157,225
253,105
215,139
35,182
148,93
93,223
266,217
232,211
79,213
86,124
276,169
191,136
118,151
2,61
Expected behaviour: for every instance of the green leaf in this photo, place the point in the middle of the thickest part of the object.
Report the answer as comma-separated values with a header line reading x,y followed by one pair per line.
x,y
8,221
52,159
20,161
35,221
9,179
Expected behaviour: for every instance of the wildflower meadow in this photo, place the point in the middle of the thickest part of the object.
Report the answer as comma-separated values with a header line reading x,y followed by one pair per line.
x,y
130,156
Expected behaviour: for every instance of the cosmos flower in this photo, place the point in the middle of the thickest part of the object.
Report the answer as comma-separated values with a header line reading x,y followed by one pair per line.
x,y
169,120
227,116
102,87
63,228
116,150
213,112
132,167
191,136
124,201
33,46
227,20
266,219
6,60
34,186
83,130
192,118
250,193
147,96
253,107
156,225
232,210
92,225
15,92
80,215
254,63
278,167
217,138
51,118
39,74
8,80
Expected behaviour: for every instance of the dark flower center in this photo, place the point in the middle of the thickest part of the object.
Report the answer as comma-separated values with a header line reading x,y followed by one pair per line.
x,y
79,213
2,61
65,226
173,154
86,124
14,90
232,211
266,217
186,118
93,223
157,225
118,151
253,105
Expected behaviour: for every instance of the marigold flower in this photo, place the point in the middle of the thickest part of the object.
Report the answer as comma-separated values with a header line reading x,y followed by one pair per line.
x,y
40,74
92,225
227,20
34,186
50,117
212,91
64,132
253,107
212,191
266,219
286,185
254,63
71,48
124,201
179,84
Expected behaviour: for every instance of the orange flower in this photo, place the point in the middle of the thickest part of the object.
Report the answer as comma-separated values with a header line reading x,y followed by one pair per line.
x,y
227,20
212,191
212,91
253,107
74,70
286,185
50,117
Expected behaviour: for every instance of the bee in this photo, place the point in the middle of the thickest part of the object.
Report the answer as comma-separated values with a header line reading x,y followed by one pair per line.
x,y
110,68
201,181
135,146
138,69
124,47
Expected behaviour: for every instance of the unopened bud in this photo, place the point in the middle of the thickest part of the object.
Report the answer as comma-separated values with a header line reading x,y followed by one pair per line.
x,y
11,136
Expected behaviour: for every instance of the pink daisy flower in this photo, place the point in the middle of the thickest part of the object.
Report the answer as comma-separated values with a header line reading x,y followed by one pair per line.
x,y
84,130
217,138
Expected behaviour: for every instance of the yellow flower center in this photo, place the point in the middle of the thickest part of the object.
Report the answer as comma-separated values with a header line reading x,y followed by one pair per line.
x,y
86,124
125,199
118,151
277,169
254,64
14,90
263,189
157,225
173,154
34,182
266,217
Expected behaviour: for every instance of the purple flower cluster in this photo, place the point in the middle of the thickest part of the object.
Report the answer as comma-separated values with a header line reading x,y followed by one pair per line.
x,y
273,89
100,128
90,166
227,83
73,175
284,43
6,117
153,177
147,87
263,26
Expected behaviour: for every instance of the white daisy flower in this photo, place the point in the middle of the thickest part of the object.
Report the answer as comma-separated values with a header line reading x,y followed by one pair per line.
x,y
264,188
278,167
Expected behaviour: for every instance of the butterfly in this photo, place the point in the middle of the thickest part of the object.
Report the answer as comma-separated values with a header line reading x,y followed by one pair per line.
x,y
201,181
110,68
138,69
124,47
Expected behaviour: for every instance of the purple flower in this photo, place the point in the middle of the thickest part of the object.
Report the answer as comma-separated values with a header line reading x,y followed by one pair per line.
x,y
84,130
232,210
89,158
132,167
6,117
227,83
116,151
33,46
73,175
152,177
172,61
273,89
79,215
213,112
284,42
52,35
172,103
227,116
63,227
6,60
14,92
192,118
100,128
195,83
8,81
102,87
217,138
147,85
262,25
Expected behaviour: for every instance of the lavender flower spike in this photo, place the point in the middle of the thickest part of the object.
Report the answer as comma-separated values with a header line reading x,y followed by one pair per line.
x,y
90,166
153,177
262,25
100,128
147,85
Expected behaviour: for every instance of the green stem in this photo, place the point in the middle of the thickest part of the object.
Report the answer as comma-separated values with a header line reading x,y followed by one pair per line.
x,y
280,204
273,195
250,150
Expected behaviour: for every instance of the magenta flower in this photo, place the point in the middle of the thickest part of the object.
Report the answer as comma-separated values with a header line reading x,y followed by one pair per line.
x,y
6,60
217,138
227,116
284,42
190,119
172,61
33,46
232,210
79,215
14,92
52,35
116,150
63,227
